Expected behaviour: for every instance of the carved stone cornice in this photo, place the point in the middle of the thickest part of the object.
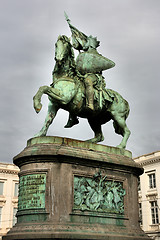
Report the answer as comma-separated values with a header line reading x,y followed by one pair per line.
x,y
9,171
147,161
15,200
2,200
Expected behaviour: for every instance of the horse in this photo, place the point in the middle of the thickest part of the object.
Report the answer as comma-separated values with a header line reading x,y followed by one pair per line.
x,y
68,92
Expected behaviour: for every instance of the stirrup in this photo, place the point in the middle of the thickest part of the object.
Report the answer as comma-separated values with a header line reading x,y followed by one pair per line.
x,y
90,107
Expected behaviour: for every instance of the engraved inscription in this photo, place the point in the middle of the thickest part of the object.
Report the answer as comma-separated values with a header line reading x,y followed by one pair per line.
x,y
32,191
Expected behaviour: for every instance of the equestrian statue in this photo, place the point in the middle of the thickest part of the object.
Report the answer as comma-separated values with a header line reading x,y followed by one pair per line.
x,y
78,86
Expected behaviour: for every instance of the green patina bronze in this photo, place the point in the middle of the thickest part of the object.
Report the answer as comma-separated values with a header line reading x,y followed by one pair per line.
x,y
98,194
78,86
32,192
89,61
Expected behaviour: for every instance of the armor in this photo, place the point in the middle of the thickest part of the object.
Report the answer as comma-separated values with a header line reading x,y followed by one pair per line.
x,y
88,62
92,62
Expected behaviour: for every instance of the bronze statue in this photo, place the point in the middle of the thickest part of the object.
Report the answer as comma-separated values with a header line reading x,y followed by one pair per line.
x,y
89,63
79,87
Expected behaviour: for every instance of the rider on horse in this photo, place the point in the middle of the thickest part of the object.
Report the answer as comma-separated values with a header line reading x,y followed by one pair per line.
x,y
90,65
67,91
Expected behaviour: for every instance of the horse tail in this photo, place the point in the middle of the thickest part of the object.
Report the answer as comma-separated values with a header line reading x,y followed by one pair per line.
x,y
119,130
124,112
127,109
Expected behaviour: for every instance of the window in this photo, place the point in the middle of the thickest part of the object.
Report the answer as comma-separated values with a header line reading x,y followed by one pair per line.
x,y
139,184
154,212
152,180
140,214
16,190
14,216
0,216
1,188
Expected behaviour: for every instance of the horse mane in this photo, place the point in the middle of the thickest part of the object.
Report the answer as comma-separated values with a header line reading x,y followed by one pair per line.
x,y
71,58
73,72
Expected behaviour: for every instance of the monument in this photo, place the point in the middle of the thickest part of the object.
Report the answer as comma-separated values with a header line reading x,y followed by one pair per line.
x,y
72,189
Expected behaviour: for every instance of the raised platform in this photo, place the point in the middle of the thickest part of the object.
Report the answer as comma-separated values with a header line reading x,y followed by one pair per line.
x,y
71,189
72,148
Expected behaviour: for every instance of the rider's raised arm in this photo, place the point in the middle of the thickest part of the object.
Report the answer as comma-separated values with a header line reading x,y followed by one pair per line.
x,y
79,39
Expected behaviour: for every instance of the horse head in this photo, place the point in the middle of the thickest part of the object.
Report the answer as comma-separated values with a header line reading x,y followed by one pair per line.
x,y
63,49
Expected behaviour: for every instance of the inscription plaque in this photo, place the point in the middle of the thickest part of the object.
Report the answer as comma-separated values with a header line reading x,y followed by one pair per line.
x,y
32,191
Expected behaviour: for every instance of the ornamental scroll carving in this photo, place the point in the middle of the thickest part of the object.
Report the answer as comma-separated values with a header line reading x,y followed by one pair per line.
x,y
98,194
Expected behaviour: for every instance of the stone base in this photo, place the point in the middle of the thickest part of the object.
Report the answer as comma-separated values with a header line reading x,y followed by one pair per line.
x,y
71,189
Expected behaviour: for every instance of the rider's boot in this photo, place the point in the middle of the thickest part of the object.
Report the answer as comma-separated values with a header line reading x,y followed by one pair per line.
x,y
89,93
73,120
90,103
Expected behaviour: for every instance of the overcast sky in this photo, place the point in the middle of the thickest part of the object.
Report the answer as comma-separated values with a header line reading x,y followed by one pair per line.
x,y
129,32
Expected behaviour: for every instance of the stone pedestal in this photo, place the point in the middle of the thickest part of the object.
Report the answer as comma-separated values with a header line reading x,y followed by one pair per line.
x,y
71,189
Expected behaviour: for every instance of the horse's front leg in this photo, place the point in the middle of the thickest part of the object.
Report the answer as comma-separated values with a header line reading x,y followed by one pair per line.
x,y
37,98
52,110
51,92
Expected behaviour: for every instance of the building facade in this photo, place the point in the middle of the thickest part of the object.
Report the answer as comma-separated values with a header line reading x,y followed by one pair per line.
x,y
8,196
149,194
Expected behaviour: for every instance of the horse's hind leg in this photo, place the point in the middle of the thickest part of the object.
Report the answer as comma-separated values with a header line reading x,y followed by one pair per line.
x,y
97,131
122,129
52,110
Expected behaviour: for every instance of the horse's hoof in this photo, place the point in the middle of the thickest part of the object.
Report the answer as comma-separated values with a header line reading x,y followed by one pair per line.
x,y
38,108
96,139
71,123
90,107
39,134
120,146
92,140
